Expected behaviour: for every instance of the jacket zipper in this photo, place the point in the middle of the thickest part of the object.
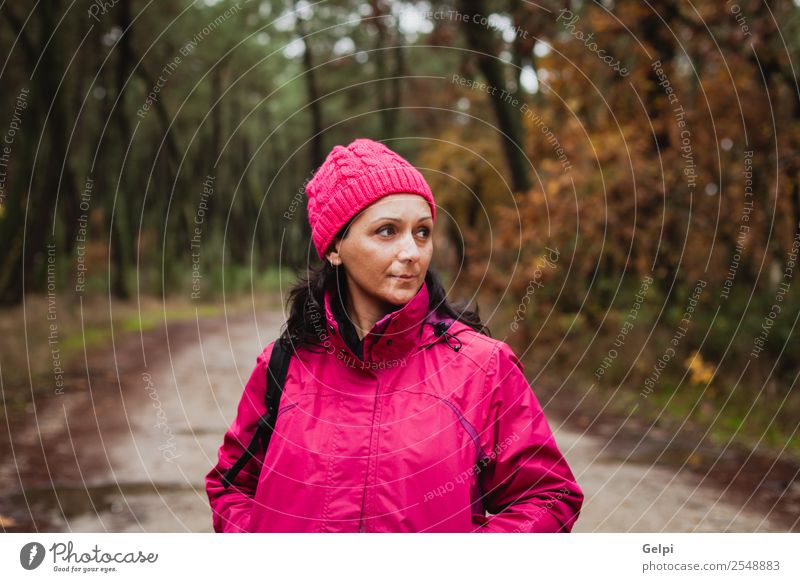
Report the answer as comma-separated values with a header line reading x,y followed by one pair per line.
x,y
369,456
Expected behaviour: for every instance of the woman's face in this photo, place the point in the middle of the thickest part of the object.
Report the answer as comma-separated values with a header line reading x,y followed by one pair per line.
x,y
387,250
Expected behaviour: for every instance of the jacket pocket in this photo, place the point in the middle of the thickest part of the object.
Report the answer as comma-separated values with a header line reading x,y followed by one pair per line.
x,y
480,457
283,409
468,427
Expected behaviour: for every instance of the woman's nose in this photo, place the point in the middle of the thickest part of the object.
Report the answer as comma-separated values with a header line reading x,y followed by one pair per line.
x,y
408,248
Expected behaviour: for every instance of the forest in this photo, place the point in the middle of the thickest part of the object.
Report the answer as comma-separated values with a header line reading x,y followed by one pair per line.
x,y
619,180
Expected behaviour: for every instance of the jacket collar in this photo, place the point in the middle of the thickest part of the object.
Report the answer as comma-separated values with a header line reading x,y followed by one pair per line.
x,y
392,337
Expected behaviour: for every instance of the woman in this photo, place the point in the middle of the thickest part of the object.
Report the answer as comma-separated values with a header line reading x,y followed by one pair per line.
x,y
399,412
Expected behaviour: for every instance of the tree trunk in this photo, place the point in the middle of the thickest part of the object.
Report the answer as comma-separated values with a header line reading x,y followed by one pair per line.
x,y
315,108
656,30
389,89
480,39
119,223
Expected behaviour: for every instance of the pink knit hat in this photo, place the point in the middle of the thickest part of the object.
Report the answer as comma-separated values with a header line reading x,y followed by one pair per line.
x,y
352,178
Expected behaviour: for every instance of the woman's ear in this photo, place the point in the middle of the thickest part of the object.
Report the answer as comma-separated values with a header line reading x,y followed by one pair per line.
x,y
333,254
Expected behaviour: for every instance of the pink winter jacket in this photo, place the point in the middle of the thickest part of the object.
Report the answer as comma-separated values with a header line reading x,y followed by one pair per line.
x,y
426,434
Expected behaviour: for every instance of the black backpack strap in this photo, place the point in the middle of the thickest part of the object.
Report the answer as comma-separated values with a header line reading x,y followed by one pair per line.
x,y
276,378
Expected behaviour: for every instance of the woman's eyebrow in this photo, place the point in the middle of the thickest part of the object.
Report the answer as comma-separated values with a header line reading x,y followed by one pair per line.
x,y
395,219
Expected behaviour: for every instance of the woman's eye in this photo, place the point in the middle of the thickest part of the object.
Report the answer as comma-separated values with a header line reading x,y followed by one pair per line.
x,y
390,229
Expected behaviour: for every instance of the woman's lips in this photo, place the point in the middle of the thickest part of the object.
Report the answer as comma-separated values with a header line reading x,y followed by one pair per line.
x,y
404,277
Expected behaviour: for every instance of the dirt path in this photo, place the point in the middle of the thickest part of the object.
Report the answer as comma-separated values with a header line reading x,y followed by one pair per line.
x,y
640,497
130,456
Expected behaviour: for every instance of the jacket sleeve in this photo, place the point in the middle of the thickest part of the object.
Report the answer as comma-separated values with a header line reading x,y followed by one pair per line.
x,y
526,482
231,507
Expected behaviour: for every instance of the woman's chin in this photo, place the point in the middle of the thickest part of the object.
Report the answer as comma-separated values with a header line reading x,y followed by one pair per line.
x,y
401,293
